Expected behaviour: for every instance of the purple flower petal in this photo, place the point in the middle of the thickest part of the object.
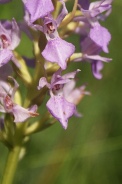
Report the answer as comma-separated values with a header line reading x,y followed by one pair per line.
x,y
63,13
25,28
58,51
77,114
97,57
7,104
89,47
68,88
9,39
38,8
95,9
99,7
2,93
72,94
15,35
54,77
58,79
61,109
9,34
5,86
5,38
70,75
5,56
43,82
97,66
100,36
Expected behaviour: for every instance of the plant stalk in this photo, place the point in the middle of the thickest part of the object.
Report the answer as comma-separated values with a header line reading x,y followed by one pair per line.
x,y
11,165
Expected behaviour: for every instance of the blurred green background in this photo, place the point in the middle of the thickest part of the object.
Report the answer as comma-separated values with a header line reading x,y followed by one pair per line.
x,y
90,150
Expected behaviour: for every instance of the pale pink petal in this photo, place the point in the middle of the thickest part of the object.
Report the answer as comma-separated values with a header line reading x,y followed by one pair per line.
x,y
43,82
5,56
15,35
21,114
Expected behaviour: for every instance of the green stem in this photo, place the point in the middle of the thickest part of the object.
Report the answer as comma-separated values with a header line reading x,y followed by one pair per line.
x,y
11,165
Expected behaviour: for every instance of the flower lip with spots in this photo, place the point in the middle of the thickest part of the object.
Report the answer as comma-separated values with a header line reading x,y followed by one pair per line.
x,y
9,40
7,105
57,105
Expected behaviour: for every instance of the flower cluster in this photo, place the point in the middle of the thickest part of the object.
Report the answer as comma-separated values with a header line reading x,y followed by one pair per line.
x,y
94,37
47,23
